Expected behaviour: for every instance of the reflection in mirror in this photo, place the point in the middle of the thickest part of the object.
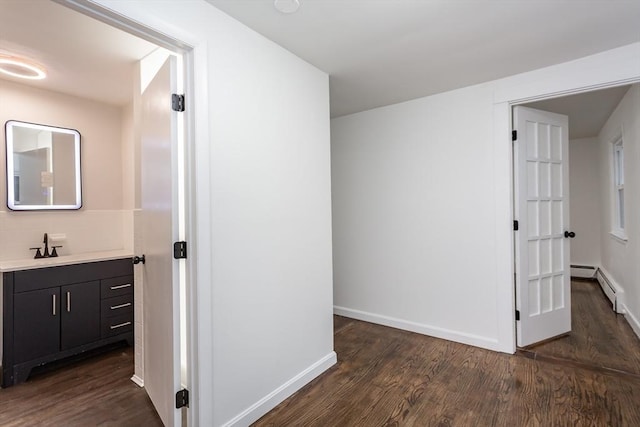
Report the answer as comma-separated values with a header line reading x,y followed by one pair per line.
x,y
43,167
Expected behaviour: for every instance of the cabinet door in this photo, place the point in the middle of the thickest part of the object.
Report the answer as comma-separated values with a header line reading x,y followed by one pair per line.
x,y
80,306
36,317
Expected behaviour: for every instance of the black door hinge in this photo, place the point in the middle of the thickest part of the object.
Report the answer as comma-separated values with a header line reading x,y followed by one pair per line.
x,y
516,226
180,250
517,314
177,102
182,398
514,135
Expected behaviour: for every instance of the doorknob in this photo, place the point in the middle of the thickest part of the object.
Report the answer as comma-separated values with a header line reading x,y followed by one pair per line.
x,y
569,234
138,259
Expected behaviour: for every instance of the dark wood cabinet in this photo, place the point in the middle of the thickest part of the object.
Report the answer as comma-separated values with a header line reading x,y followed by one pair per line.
x,y
56,312
80,314
36,325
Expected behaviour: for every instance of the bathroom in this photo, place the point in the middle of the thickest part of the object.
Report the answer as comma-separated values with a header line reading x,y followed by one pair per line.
x,y
93,89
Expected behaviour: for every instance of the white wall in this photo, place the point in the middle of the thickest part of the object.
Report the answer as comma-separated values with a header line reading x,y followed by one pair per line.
x,y
620,258
263,219
422,203
99,224
584,187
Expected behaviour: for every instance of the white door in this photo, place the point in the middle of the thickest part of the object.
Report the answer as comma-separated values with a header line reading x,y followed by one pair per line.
x,y
159,229
541,174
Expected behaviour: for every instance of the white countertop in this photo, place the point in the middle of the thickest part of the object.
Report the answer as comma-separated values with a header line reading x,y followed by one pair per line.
x,y
30,264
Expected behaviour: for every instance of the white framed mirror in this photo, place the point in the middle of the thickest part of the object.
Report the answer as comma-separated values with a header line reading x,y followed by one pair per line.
x,y
43,167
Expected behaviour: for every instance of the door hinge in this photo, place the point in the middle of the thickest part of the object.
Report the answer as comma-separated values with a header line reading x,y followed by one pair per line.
x,y
516,226
182,398
180,250
514,135
177,102
517,315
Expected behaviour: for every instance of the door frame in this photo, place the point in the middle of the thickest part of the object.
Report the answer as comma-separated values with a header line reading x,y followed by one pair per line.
x,y
195,112
505,98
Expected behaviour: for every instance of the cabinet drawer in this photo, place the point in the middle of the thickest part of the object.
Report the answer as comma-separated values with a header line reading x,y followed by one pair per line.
x,y
116,306
116,286
117,325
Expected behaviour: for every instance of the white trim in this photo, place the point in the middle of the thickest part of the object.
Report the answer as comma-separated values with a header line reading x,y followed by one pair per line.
x,y
607,69
619,235
273,399
139,381
432,331
199,300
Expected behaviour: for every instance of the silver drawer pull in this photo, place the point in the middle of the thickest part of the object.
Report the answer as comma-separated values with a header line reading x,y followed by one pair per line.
x,y
120,325
113,288
115,307
54,304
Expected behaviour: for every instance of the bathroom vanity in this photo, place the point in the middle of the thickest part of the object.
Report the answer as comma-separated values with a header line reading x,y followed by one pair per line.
x,y
54,309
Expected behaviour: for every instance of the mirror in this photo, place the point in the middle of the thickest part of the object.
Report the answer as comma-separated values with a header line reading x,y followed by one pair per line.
x,y
43,167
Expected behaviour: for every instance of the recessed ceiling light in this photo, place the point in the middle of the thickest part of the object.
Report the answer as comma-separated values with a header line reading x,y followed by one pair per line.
x,y
287,6
22,68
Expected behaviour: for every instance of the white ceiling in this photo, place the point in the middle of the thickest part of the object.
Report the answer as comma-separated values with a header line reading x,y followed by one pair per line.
x,y
377,51
588,112
380,52
83,56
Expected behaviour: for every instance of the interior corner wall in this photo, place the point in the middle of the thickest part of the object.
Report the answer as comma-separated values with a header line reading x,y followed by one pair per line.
x,y
99,224
585,201
620,258
422,203
263,213
413,216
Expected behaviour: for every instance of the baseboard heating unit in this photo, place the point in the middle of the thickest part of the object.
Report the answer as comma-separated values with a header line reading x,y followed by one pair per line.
x,y
607,288
583,271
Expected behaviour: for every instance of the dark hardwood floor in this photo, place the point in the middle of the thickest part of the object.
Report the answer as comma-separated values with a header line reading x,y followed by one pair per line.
x,y
600,338
389,377
92,392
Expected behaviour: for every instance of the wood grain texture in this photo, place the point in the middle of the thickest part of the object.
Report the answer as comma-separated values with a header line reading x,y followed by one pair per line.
x,y
389,377
599,337
91,392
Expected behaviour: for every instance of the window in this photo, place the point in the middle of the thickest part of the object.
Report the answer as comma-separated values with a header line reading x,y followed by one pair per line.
x,y
618,189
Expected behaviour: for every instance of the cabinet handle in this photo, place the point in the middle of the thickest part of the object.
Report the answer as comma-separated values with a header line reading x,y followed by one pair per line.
x,y
120,325
68,302
115,307
54,304
113,288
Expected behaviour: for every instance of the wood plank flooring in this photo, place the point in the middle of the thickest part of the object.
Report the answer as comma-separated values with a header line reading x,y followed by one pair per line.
x,y
386,377
91,392
389,377
599,337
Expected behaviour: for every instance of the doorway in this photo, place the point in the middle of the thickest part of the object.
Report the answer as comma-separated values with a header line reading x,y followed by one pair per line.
x,y
599,336
78,79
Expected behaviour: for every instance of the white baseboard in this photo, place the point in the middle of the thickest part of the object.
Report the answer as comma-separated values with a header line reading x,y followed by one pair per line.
x,y
270,401
433,331
139,381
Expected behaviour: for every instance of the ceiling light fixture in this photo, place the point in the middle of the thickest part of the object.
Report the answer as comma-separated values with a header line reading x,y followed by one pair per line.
x,y
22,68
286,6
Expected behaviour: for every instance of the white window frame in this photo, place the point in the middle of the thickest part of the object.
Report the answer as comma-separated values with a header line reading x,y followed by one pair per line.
x,y
618,217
